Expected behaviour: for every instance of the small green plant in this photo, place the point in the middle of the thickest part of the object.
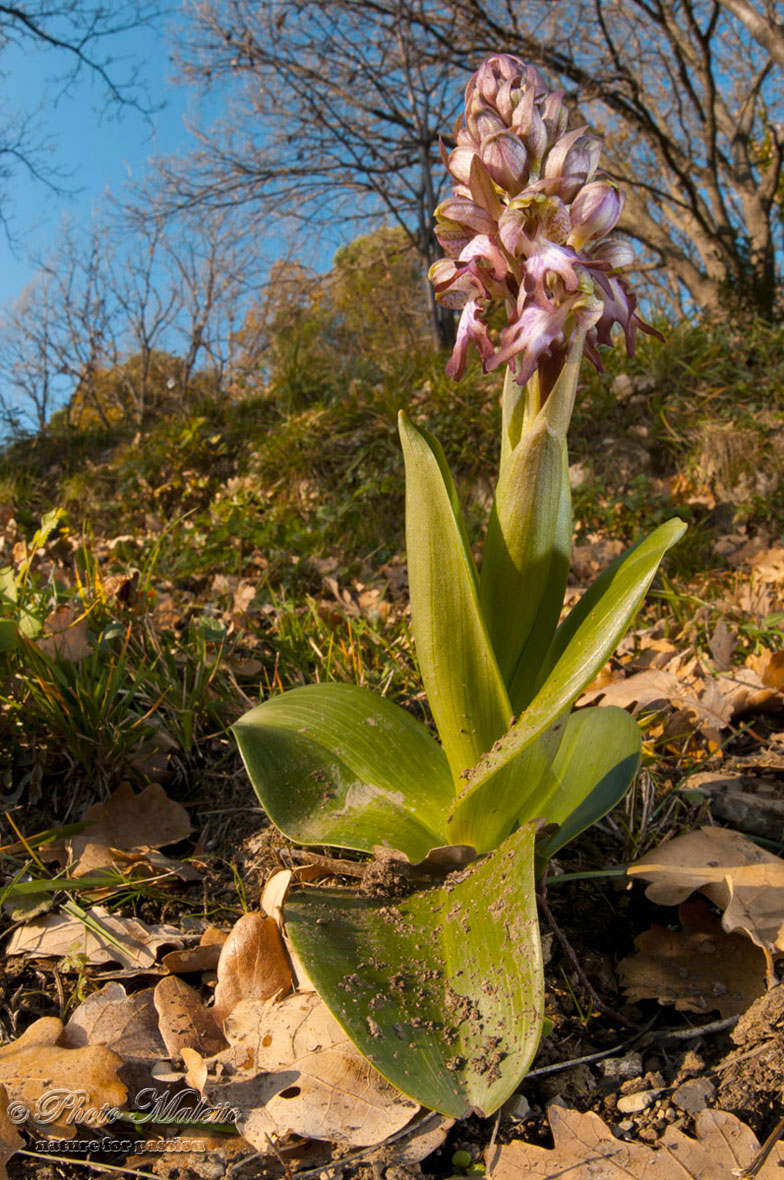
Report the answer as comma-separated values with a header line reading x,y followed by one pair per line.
x,y
441,986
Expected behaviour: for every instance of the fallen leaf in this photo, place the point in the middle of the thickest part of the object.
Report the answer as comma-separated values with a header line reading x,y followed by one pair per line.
x,y
184,1021
274,894
204,957
713,702
10,1139
769,666
65,635
723,644
641,690
126,941
585,1149
120,586
128,1025
253,965
294,1071
744,880
60,1087
129,822
698,969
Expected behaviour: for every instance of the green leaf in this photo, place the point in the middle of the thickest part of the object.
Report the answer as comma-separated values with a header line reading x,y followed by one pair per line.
x,y
523,777
519,547
532,657
49,522
581,646
8,589
442,990
9,639
597,760
464,687
336,764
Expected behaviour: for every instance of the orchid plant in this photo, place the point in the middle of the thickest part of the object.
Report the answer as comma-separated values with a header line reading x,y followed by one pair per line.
x,y
441,986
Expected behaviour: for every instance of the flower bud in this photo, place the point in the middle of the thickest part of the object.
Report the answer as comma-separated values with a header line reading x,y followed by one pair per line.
x,y
573,161
595,212
506,159
615,252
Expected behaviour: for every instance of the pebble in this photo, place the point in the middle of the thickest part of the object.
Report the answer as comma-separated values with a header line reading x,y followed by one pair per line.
x,y
694,1095
517,1107
633,1103
628,1066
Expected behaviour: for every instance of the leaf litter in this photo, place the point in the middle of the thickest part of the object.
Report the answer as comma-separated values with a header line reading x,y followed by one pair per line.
x,y
142,1035
586,1149
742,879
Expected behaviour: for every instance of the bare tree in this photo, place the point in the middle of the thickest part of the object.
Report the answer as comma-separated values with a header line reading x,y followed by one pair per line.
x,y
763,25
122,317
333,113
83,39
217,269
28,358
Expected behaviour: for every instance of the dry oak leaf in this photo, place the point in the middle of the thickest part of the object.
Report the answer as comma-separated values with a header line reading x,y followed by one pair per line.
x,y
127,941
291,1069
65,635
128,1025
698,969
585,1149
184,1021
253,965
60,1087
204,957
130,823
742,879
10,1139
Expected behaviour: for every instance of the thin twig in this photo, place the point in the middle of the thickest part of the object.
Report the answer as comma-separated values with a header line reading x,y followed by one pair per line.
x,y
283,1163
664,1034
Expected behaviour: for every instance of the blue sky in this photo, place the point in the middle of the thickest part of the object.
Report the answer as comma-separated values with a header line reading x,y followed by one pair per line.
x,y
99,153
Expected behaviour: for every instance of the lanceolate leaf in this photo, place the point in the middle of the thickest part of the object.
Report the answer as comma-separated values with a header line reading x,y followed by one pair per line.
x,y
518,550
523,684
581,646
521,779
464,687
336,764
442,990
597,759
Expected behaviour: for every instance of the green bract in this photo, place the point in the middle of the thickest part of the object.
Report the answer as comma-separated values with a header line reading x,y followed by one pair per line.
x,y
442,988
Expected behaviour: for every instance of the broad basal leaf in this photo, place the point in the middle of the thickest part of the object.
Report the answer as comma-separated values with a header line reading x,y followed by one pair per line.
x,y
336,764
581,646
441,990
464,687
